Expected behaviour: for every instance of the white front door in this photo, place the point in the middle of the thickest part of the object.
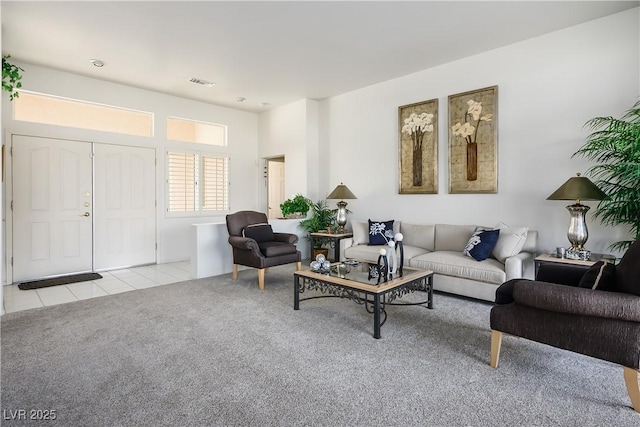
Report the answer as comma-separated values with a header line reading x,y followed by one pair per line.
x,y
52,207
125,198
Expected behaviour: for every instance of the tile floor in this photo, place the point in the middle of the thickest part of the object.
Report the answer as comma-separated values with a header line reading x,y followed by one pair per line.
x,y
112,282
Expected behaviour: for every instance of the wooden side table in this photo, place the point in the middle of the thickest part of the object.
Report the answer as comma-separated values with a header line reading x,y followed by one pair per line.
x,y
582,264
335,241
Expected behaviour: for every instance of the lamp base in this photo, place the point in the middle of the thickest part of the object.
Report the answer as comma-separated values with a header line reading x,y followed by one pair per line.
x,y
578,254
577,233
341,216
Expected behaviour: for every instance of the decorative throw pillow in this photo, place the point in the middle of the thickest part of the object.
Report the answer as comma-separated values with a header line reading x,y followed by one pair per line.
x,y
481,244
259,232
628,271
380,232
601,276
511,241
360,232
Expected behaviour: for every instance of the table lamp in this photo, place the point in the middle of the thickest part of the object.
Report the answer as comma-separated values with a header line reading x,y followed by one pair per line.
x,y
577,188
341,192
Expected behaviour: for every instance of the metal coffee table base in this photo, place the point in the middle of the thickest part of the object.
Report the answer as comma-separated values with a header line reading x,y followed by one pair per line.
x,y
375,301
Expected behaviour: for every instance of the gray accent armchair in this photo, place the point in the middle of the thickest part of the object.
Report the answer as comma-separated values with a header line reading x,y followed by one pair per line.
x,y
597,323
248,252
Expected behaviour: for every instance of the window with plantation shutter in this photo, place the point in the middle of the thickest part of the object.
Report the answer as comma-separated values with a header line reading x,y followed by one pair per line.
x,y
197,182
215,191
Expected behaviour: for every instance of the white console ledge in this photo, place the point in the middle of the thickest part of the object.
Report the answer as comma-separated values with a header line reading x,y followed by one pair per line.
x,y
211,253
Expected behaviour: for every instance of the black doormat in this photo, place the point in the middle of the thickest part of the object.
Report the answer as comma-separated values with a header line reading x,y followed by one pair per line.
x,y
62,280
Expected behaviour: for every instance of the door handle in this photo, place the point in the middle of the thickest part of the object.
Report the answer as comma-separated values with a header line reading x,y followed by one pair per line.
x,y
85,214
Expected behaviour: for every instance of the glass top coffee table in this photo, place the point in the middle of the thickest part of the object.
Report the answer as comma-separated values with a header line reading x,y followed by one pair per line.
x,y
355,282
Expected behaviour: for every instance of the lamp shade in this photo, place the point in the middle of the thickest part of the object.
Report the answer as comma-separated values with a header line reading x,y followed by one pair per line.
x,y
577,188
341,192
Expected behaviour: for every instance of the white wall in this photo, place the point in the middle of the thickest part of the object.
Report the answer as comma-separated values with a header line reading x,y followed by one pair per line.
x,y
549,87
173,233
292,131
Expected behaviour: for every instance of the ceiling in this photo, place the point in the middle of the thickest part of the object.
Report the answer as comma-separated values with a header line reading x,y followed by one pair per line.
x,y
272,53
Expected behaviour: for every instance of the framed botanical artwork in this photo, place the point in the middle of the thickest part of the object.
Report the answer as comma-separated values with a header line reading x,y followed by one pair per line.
x,y
418,147
473,141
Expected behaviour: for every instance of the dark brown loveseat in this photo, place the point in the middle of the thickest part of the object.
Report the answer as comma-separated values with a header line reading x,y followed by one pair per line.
x,y
590,320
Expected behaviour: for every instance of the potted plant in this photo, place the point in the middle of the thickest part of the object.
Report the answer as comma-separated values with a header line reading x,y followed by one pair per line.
x,y
615,146
11,77
322,218
296,207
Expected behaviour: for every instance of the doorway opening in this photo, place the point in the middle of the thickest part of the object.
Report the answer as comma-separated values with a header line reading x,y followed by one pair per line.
x,y
275,186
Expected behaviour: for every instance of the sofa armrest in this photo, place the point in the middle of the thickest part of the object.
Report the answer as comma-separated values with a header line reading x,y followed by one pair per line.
x,y
245,244
515,267
580,301
344,244
286,238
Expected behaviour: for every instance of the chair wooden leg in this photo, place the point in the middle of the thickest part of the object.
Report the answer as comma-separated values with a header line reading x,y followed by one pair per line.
x,y
234,274
496,343
298,266
631,378
261,279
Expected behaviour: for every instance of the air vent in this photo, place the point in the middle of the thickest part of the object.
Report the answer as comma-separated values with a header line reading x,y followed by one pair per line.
x,y
201,82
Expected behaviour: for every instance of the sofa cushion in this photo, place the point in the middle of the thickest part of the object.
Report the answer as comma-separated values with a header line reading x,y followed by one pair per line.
x,y
380,232
364,252
271,249
601,276
259,232
418,235
452,237
370,253
412,252
510,242
360,232
456,264
481,244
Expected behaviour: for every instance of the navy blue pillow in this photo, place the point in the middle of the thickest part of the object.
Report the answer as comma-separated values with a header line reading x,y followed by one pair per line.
x,y
481,244
380,232
259,232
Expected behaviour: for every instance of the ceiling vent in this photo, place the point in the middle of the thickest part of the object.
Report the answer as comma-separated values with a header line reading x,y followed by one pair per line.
x,y
201,82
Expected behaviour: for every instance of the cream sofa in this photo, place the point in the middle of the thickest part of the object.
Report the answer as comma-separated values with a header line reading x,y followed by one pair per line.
x,y
439,247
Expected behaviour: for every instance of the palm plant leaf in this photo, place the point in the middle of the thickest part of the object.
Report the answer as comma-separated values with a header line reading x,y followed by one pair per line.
x,y
615,145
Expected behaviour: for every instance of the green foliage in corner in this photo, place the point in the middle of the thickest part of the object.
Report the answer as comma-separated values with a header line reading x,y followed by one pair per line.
x,y
615,146
11,77
322,218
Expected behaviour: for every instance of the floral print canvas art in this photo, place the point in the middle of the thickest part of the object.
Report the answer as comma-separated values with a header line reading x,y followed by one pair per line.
x,y
473,141
418,144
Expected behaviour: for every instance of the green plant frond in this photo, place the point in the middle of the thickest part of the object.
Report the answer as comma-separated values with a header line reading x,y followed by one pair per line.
x,y
621,246
322,217
614,144
633,114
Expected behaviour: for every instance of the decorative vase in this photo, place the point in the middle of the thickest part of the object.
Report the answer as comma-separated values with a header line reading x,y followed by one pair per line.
x,y
417,138
472,161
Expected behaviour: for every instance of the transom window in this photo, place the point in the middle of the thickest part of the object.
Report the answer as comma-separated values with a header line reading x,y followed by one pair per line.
x,y
195,131
53,110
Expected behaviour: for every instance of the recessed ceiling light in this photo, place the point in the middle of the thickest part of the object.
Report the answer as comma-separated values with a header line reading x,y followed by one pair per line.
x,y
265,104
201,82
240,99
97,63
